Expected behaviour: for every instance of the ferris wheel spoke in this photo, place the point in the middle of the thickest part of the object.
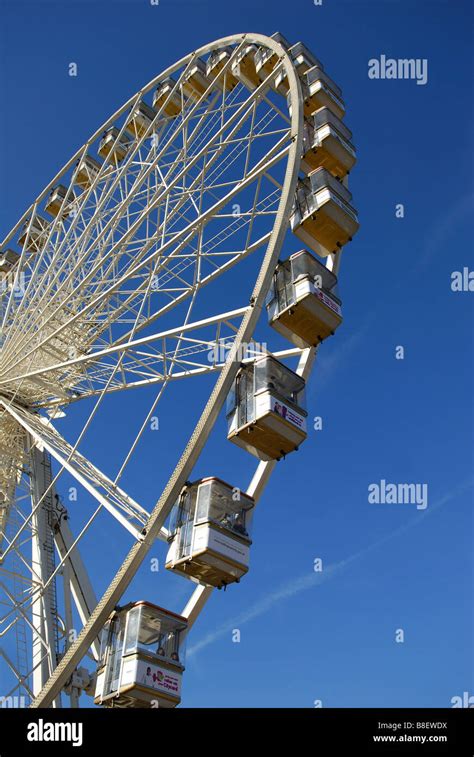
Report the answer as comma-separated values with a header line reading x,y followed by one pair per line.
x,y
175,376
121,356
124,509
158,364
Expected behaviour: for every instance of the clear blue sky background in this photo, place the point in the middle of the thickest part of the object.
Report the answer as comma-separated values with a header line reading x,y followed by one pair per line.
x,y
306,636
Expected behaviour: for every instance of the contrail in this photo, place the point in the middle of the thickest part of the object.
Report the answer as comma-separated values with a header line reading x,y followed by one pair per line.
x,y
298,585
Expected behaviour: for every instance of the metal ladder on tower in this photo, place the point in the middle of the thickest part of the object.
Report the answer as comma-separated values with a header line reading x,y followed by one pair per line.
x,y
22,666
22,657
49,547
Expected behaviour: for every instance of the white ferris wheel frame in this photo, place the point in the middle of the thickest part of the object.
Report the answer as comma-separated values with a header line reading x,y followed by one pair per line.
x,y
150,526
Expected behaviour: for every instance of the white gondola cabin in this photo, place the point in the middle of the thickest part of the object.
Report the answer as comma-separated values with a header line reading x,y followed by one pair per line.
x,y
303,59
266,59
87,171
265,409
322,216
38,233
59,198
141,658
140,119
327,144
302,303
214,69
195,81
168,99
8,260
320,91
210,533
244,68
113,146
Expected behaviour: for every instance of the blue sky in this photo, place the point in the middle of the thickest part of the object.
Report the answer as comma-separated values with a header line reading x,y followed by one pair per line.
x,y
307,636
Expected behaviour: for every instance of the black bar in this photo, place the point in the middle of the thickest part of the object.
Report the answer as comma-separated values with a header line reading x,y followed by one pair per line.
x,y
310,731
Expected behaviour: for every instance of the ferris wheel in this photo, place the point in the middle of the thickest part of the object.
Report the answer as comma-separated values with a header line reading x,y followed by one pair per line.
x,y
126,273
